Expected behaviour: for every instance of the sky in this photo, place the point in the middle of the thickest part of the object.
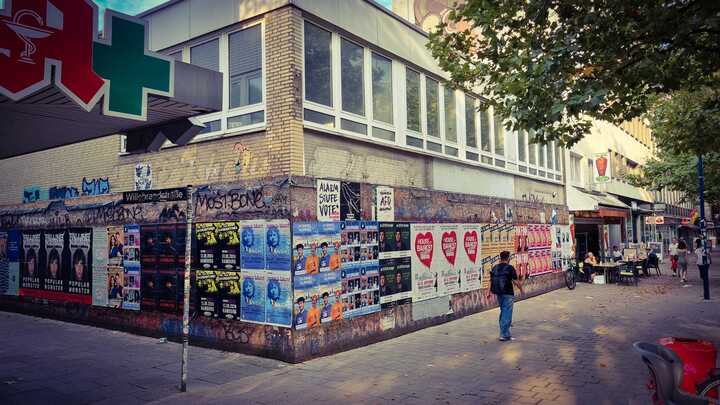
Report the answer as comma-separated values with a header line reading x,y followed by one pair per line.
x,y
130,7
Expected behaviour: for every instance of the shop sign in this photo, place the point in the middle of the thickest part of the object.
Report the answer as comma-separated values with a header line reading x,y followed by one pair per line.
x,y
36,35
601,167
654,220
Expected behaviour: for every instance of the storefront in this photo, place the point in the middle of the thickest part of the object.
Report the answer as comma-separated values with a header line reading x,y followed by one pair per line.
x,y
601,222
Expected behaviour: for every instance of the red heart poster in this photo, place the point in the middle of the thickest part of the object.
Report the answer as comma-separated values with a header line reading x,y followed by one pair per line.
x,y
449,246
470,242
424,247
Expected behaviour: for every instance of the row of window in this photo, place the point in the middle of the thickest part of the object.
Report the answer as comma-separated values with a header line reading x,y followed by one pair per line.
x,y
356,91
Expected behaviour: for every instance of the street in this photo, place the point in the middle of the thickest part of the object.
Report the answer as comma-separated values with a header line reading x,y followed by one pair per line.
x,y
572,347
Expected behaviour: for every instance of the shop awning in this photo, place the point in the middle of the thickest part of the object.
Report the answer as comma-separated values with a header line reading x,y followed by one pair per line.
x,y
579,200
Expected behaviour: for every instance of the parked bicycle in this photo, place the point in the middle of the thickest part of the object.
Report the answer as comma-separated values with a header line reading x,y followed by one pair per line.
x,y
574,271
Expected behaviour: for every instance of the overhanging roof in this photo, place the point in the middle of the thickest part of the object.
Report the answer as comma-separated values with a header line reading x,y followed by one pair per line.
x,y
48,118
579,200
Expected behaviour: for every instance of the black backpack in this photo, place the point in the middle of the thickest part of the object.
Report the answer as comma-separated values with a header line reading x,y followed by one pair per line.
x,y
498,279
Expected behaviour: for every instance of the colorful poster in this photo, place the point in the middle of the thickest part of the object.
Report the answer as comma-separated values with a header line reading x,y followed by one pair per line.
x,y
227,294
226,251
114,282
277,251
206,247
328,247
115,242
470,257
539,255
306,289
328,200
304,242
100,264
207,293
13,260
131,268
253,298
426,254
447,266
385,203
252,250
395,284
360,275
279,305
394,239
601,167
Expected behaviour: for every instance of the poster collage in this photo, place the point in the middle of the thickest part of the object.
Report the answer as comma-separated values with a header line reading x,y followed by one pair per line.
x,y
123,267
242,271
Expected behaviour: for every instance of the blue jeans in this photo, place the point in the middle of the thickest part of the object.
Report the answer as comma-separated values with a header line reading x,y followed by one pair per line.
x,y
506,309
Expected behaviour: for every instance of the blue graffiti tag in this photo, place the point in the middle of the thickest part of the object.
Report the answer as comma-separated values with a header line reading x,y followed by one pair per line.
x,y
95,186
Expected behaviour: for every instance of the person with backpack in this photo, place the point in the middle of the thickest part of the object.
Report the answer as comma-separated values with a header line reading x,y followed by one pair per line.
x,y
502,278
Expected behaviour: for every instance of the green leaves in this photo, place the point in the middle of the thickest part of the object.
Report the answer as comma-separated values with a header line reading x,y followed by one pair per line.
x,y
555,64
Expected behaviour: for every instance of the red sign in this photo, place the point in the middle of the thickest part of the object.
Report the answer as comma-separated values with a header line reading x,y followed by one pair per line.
x,y
38,34
424,247
470,241
449,246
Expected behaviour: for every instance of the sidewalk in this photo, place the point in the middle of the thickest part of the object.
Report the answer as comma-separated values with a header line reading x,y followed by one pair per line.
x,y
572,347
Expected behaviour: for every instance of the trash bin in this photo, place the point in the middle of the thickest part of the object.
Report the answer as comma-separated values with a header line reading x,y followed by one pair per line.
x,y
698,357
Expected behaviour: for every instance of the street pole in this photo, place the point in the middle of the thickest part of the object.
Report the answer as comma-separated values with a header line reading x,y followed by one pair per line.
x,y
703,230
186,292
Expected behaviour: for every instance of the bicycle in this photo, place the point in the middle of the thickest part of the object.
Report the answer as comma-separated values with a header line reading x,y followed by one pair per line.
x,y
571,274
710,387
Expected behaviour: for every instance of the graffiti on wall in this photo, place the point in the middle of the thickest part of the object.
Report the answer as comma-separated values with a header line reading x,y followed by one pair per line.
x,y
63,192
244,157
33,193
96,186
143,176
238,202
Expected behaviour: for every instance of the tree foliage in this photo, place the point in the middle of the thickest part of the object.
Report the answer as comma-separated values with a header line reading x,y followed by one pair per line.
x,y
553,65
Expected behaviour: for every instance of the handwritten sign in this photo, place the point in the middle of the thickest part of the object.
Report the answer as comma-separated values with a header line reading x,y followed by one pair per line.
x,y
385,203
328,200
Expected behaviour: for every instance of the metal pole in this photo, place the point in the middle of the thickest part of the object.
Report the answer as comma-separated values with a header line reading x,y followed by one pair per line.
x,y
186,291
703,230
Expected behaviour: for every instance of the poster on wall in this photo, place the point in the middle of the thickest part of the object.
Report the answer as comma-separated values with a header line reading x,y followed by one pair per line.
x,y
30,262
349,201
394,239
162,262
470,257
227,294
143,176
55,261
207,293
226,245
252,250
360,275
277,251
100,265
4,264
328,200
539,255
306,292
252,306
425,277
601,167
131,267
448,271
12,246
80,243
279,305
385,203
395,282
304,242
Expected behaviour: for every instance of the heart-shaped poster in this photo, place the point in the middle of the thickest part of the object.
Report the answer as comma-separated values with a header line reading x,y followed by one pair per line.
x,y
449,246
470,241
424,248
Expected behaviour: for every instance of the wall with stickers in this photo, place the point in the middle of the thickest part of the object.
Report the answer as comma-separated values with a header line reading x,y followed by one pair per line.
x,y
287,268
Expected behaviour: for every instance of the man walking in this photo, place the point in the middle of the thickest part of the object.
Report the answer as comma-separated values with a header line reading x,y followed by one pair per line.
x,y
502,278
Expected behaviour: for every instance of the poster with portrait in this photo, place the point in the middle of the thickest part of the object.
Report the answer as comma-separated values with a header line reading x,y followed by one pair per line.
x,y
360,276
539,256
80,244
207,292
394,239
206,247
252,247
470,257
115,243
99,266
305,311
304,244
30,262
162,256
131,268
279,305
226,245
171,246
55,261
328,248
252,301
427,253
114,288
277,248
395,283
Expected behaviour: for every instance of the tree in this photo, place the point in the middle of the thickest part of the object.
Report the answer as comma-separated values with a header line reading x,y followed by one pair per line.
x,y
553,65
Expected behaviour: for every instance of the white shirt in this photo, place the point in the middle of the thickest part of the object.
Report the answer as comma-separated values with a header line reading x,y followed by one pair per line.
x,y
699,254
673,249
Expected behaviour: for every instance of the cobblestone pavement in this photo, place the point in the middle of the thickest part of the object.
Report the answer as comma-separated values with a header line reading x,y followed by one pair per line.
x,y
572,347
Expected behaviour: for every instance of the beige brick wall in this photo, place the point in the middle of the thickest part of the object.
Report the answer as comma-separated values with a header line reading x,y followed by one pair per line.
x,y
331,156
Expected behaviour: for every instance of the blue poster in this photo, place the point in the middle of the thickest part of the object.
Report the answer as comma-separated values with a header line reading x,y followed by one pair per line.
x,y
13,259
252,301
328,246
304,244
278,306
306,290
252,245
277,249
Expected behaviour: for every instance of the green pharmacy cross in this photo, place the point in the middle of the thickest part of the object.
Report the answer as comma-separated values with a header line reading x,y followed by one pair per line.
x,y
130,71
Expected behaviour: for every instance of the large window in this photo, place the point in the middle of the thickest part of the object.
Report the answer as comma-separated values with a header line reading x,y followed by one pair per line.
x,y
499,135
532,148
522,149
432,107
550,156
450,115
382,96
541,155
245,67
412,99
470,133
485,131
206,55
318,65
351,64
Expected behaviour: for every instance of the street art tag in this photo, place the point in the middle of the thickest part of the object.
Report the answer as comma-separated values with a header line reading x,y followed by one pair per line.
x,y
470,242
449,246
424,246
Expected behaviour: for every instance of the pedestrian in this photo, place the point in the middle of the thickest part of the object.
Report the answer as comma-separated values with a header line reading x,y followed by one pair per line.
x,y
682,251
703,266
674,256
502,278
